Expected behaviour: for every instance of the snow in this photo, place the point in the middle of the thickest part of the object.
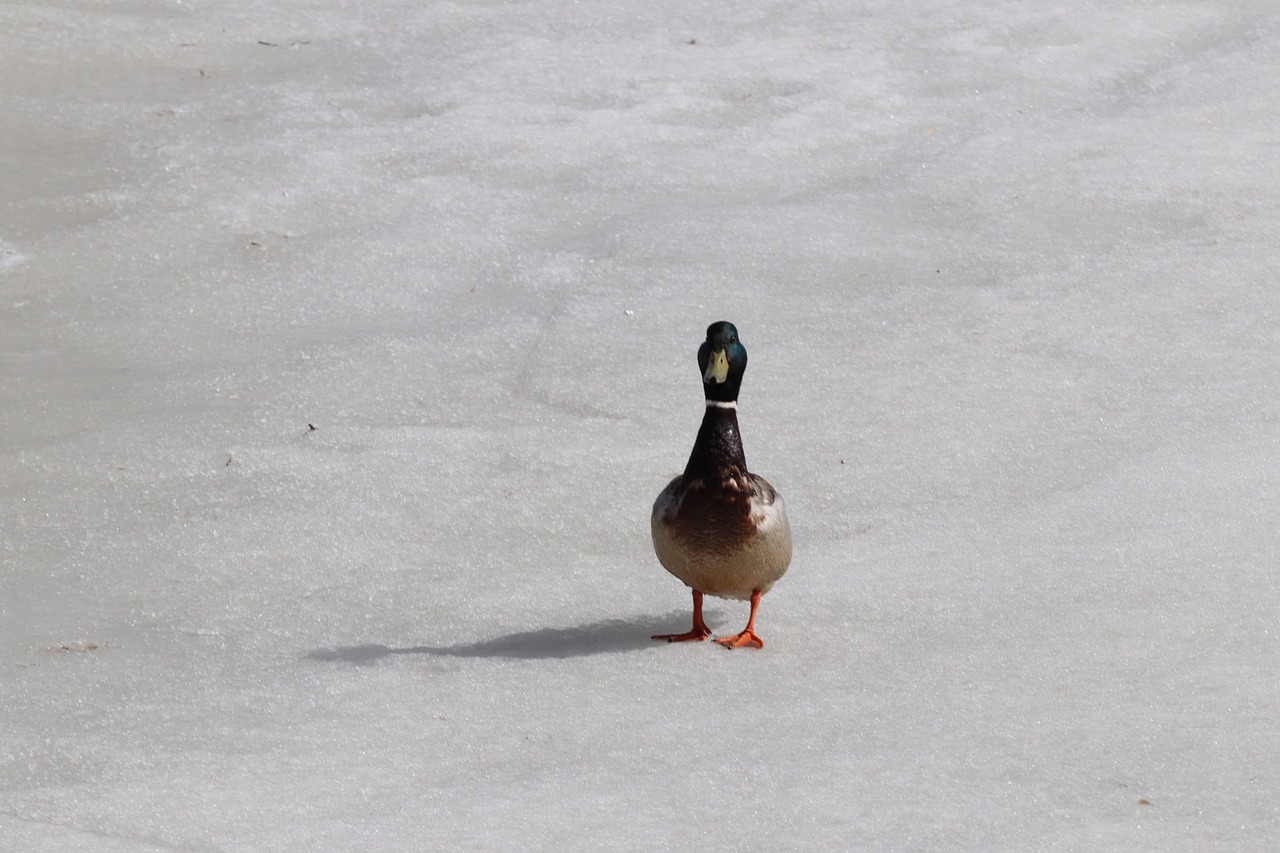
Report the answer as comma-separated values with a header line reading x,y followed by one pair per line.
x,y
345,346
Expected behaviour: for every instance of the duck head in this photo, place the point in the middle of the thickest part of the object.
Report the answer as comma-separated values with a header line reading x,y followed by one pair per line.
x,y
722,359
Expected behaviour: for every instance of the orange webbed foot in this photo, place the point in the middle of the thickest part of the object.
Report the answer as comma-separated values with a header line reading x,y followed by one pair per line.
x,y
698,632
687,636
747,638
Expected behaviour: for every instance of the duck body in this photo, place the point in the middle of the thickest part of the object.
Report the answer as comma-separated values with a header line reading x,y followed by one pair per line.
x,y
719,528
725,532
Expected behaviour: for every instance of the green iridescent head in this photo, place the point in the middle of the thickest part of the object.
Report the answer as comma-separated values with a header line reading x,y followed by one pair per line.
x,y
722,359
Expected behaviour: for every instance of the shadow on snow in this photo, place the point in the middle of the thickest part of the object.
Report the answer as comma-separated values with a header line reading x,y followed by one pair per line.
x,y
612,635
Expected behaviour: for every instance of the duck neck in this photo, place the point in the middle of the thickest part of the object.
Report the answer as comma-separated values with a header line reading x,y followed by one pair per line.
x,y
717,452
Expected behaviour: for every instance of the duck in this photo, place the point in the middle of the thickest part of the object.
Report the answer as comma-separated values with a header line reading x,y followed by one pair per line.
x,y
719,528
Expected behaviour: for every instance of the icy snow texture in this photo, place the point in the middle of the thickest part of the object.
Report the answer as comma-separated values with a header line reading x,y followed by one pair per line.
x,y
1007,273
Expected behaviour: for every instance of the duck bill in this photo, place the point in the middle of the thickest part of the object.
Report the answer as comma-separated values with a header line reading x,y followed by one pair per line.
x,y
717,368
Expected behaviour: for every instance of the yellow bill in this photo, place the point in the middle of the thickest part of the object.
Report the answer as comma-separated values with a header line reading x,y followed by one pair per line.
x,y
717,368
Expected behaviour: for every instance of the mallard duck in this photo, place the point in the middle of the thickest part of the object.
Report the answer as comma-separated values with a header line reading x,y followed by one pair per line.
x,y
718,527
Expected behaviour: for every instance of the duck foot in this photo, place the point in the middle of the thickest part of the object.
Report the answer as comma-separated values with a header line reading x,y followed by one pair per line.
x,y
748,636
698,632
737,641
687,636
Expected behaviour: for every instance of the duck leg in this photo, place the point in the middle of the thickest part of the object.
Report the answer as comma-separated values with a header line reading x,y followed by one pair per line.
x,y
748,636
700,631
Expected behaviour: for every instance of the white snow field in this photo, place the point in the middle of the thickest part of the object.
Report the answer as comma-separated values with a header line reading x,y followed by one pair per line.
x,y
344,347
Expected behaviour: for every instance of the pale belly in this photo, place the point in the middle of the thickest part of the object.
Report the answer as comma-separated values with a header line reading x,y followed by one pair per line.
x,y
728,560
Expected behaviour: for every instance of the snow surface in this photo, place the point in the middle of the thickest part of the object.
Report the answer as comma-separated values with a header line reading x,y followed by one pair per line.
x,y
1007,274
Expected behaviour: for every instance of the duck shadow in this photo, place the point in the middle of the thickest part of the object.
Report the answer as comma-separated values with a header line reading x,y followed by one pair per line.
x,y
604,637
